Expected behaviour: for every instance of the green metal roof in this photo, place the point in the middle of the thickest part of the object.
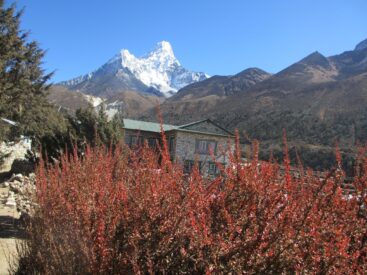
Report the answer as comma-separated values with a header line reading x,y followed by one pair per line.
x,y
146,126
139,125
204,120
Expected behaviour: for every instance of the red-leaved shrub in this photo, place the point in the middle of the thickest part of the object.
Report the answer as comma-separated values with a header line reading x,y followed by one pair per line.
x,y
133,212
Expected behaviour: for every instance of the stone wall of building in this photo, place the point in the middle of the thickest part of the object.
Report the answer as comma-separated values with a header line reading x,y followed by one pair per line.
x,y
185,148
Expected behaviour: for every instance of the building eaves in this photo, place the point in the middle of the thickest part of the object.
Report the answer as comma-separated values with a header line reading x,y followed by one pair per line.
x,y
139,125
200,132
205,120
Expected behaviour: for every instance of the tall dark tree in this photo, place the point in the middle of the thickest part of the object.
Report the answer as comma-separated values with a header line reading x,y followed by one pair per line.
x,y
89,126
23,97
23,83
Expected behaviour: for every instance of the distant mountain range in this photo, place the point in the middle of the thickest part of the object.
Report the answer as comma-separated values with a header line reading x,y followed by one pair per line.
x,y
321,85
319,100
158,73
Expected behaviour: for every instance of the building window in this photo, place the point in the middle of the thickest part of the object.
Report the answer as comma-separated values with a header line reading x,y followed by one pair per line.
x,y
152,142
171,144
190,164
133,141
204,146
213,169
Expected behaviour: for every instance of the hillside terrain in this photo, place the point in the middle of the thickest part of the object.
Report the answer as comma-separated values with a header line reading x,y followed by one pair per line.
x,y
319,100
128,103
66,99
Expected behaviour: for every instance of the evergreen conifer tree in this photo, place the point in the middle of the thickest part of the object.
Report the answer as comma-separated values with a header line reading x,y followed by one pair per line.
x,y
23,84
23,97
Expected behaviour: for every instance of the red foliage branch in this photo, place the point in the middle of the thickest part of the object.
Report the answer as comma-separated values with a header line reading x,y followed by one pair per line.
x,y
124,211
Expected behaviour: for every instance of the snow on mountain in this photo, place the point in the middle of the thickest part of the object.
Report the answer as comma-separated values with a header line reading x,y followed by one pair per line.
x,y
94,100
77,80
113,108
158,70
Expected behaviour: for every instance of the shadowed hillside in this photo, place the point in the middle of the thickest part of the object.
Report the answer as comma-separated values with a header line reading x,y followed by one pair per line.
x,y
319,100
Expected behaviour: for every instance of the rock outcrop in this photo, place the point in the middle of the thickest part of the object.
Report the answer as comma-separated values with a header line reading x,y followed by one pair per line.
x,y
11,151
21,193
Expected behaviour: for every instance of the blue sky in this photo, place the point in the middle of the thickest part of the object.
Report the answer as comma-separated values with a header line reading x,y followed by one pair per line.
x,y
213,36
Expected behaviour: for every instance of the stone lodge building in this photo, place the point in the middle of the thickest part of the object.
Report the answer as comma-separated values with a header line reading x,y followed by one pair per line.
x,y
187,143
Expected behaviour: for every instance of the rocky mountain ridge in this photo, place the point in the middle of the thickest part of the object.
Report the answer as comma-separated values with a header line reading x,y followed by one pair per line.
x,y
319,101
158,73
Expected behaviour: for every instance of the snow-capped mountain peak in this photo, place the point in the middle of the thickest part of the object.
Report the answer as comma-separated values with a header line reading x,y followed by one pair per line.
x,y
154,69
158,70
161,58
126,55
163,53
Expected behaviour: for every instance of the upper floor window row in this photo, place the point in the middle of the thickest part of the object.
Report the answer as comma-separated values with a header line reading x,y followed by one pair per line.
x,y
203,146
135,140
